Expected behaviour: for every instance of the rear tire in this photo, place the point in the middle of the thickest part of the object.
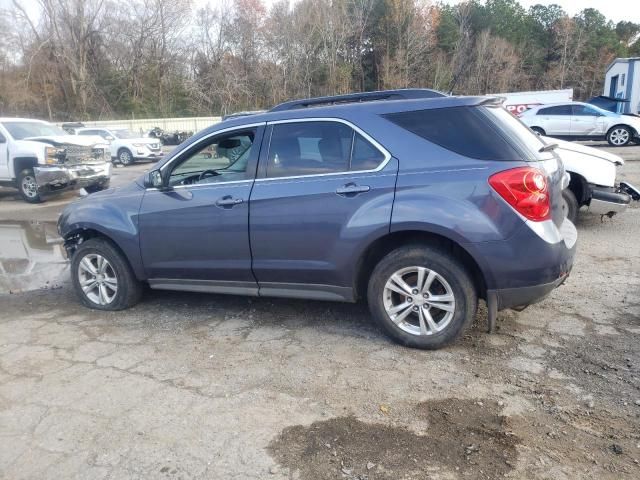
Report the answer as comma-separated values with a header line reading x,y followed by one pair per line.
x,y
28,187
538,130
102,277
430,323
570,205
619,136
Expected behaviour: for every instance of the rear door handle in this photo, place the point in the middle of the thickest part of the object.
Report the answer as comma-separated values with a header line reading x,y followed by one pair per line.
x,y
351,189
228,201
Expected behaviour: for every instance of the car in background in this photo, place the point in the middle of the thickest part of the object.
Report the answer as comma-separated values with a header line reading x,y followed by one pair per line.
x,y
420,205
582,121
592,180
39,158
126,147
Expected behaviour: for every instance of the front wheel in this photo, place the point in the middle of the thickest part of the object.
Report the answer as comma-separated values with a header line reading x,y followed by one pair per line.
x,y
28,186
102,277
125,157
619,136
422,296
570,205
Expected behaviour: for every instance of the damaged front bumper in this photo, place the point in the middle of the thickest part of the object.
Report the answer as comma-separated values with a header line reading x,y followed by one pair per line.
x,y
610,200
54,178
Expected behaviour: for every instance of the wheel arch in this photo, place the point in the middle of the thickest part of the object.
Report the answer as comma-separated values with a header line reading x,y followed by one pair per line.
x,y
81,233
20,163
579,187
633,131
383,245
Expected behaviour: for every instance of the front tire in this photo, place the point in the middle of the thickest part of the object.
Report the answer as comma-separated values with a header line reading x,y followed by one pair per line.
x,y
619,136
28,187
421,296
538,130
125,157
102,277
570,205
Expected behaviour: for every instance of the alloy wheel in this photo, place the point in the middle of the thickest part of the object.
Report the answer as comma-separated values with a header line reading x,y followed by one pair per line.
x,y
98,279
419,300
29,186
619,136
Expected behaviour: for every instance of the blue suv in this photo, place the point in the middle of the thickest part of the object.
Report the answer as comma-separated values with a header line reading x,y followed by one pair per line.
x,y
418,203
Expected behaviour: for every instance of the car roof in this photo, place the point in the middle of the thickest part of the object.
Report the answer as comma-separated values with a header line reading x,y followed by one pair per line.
x,y
17,119
350,110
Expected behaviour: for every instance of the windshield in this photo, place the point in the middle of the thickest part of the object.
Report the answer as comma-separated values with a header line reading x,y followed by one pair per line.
x,y
124,134
22,130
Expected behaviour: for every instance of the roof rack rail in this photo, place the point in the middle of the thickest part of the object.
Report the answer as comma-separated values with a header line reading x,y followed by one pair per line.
x,y
400,94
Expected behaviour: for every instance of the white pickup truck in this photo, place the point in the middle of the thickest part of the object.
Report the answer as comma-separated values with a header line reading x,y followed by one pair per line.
x,y
592,182
39,158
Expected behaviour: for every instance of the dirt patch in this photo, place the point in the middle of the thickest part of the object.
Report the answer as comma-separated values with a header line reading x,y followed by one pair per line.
x,y
461,438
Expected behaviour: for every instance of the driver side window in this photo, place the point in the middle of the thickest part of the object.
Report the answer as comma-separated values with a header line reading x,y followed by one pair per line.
x,y
222,158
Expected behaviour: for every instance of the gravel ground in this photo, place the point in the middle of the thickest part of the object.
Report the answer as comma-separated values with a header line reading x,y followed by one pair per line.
x,y
206,386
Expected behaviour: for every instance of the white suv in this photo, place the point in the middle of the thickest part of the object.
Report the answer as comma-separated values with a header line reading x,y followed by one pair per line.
x,y
126,147
575,120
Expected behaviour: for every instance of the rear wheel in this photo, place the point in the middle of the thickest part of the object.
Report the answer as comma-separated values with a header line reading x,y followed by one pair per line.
x,y
102,277
538,130
570,205
421,296
619,136
28,186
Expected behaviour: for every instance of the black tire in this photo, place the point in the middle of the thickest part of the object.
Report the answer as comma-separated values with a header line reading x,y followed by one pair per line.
x,y
570,205
129,289
28,187
538,130
619,136
98,187
451,271
125,157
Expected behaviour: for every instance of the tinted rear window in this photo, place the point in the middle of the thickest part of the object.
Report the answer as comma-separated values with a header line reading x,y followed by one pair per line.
x,y
463,130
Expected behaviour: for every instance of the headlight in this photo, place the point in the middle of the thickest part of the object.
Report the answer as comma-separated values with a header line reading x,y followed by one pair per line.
x,y
139,145
53,155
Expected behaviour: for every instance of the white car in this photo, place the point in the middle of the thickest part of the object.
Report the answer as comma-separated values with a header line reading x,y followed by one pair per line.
x,y
39,158
126,147
592,184
582,121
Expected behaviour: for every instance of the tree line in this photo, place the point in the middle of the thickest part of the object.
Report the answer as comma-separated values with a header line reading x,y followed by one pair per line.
x,y
100,59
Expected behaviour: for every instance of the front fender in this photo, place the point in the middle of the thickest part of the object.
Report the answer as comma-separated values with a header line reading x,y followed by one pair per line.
x,y
113,214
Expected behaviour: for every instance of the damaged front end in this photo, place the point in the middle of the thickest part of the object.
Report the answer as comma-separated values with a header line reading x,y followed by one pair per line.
x,y
69,166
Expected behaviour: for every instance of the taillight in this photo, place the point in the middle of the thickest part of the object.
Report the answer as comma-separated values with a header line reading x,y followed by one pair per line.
x,y
526,190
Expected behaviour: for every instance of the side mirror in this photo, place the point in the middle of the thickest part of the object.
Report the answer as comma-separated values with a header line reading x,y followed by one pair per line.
x,y
153,179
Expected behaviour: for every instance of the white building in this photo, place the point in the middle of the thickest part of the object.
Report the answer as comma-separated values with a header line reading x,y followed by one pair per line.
x,y
622,80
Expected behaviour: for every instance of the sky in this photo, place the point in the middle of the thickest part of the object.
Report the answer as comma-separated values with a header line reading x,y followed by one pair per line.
x,y
615,10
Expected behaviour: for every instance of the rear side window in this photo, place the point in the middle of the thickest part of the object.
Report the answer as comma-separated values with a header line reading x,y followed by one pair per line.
x,y
315,148
558,110
459,129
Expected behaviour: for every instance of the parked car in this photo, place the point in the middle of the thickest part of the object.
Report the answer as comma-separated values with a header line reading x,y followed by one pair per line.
x,y
582,121
39,158
169,138
126,147
420,206
592,180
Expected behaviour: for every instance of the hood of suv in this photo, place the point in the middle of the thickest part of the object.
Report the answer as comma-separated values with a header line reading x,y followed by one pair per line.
x,y
61,140
583,149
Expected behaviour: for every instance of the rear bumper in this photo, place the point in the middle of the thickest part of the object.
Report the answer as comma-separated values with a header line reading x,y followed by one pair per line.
x,y
607,201
530,265
64,177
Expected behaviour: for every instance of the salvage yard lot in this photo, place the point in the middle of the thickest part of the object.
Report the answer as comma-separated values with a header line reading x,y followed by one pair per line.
x,y
210,386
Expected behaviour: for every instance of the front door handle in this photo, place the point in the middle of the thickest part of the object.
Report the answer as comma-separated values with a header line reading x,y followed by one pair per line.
x,y
228,201
351,189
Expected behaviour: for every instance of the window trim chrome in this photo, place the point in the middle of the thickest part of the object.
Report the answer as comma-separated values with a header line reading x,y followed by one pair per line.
x,y
369,138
